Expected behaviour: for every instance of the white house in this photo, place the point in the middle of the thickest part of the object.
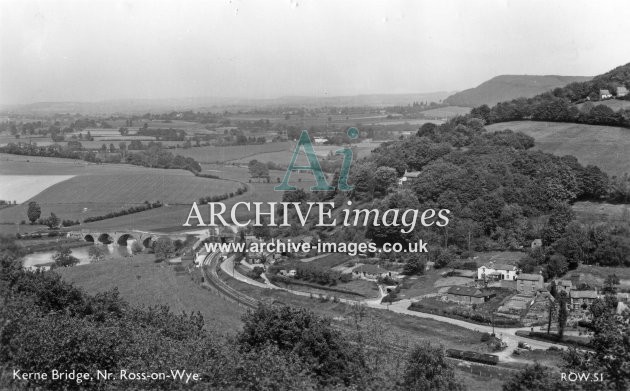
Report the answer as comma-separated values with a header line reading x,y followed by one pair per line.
x,y
604,94
621,92
491,271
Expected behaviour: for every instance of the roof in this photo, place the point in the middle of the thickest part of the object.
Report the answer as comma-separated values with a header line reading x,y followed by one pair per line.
x,y
565,283
466,291
604,92
529,277
622,89
412,174
504,267
491,265
584,294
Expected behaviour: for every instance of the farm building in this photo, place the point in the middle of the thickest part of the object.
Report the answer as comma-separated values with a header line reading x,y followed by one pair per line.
x,y
467,295
491,271
621,92
604,94
529,283
579,298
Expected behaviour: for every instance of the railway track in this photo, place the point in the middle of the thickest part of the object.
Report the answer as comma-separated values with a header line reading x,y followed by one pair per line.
x,y
209,271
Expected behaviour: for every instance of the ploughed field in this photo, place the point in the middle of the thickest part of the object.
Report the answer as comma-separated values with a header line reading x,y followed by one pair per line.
x,y
607,147
90,189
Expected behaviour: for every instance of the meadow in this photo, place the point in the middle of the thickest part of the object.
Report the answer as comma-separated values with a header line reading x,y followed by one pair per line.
x,y
214,154
604,146
446,112
593,213
614,104
142,282
94,189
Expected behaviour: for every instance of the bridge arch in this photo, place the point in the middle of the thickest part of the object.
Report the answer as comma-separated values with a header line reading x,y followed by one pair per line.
x,y
148,241
89,238
105,238
122,239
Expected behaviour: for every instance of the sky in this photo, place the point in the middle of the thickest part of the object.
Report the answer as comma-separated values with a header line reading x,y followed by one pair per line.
x,y
68,50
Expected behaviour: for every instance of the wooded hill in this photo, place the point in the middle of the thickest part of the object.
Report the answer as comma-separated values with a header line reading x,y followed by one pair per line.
x,y
508,87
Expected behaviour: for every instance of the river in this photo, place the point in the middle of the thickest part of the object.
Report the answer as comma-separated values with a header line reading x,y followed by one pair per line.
x,y
82,253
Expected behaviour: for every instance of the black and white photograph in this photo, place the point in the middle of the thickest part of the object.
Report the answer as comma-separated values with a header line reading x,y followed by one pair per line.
x,y
349,195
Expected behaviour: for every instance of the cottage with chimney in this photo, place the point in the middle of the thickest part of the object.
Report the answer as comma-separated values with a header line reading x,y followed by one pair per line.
x,y
582,298
529,283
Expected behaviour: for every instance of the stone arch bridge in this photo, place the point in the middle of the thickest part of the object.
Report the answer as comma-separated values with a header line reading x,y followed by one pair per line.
x,y
116,237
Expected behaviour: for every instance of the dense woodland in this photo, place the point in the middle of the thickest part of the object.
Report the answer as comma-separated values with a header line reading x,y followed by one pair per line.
x,y
501,192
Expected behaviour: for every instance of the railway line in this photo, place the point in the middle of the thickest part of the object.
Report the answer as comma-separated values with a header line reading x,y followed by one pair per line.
x,y
209,268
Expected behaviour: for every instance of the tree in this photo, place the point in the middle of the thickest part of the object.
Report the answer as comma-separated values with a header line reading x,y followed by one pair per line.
x,y
96,254
385,177
551,313
610,284
557,266
53,221
414,266
136,247
301,332
610,344
34,211
262,231
557,224
258,169
535,377
562,313
63,257
163,248
428,369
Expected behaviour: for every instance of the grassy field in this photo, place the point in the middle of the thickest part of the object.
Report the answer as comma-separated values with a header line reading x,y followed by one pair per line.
x,y
604,146
614,104
142,282
446,112
597,274
98,189
592,213
214,154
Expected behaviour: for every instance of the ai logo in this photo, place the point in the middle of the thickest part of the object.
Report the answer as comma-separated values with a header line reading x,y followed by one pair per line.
x,y
313,165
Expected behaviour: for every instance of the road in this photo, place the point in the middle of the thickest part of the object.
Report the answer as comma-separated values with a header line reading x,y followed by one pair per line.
x,y
508,335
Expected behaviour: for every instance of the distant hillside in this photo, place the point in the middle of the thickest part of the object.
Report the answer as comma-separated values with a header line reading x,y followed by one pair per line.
x,y
507,87
219,103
